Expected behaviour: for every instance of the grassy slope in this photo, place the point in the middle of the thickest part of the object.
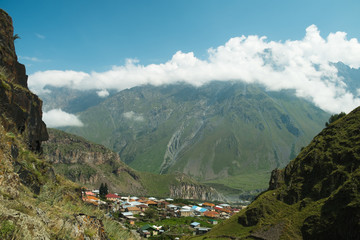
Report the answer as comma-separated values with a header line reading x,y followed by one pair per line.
x,y
241,133
55,203
320,198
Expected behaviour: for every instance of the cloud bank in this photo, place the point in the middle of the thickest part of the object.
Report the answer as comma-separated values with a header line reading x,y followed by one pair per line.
x,y
302,65
58,118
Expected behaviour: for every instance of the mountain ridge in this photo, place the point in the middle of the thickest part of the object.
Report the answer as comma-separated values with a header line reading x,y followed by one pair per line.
x,y
316,196
215,131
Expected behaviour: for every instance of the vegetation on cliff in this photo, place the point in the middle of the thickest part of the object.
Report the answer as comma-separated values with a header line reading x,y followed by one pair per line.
x,y
35,203
92,164
316,196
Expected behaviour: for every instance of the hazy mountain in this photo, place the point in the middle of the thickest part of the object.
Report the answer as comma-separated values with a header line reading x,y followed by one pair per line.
x,y
215,131
70,100
316,196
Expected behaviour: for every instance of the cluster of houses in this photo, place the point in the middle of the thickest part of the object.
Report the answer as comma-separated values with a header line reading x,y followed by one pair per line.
x,y
132,209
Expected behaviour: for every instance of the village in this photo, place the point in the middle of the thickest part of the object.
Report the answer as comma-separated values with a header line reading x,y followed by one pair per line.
x,y
152,217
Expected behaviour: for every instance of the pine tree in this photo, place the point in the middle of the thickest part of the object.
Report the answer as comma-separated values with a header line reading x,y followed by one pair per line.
x,y
102,193
106,190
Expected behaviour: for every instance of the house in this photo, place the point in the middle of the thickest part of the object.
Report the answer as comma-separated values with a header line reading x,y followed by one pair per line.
x,y
199,210
172,206
143,207
186,213
134,210
127,214
213,221
132,199
222,210
136,203
202,230
163,204
195,224
147,231
169,199
151,203
112,197
225,205
89,193
211,214
92,200
129,217
208,205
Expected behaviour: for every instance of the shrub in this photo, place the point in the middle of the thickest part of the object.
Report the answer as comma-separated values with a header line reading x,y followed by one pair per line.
x,y
7,229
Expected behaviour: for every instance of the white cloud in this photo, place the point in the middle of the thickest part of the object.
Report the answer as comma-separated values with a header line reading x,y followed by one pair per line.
x,y
103,93
133,116
302,65
59,118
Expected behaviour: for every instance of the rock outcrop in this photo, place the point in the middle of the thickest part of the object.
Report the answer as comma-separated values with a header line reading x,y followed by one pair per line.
x,y
92,164
195,191
20,109
34,202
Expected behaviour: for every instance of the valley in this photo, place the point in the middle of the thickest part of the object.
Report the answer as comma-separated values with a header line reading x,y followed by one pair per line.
x,y
220,159
215,133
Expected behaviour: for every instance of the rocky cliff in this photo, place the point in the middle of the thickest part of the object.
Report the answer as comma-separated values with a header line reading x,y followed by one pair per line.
x,y
35,203
316,196
91,164
195,191
20,109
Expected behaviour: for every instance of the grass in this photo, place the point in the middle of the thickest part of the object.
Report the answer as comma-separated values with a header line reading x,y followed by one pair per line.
x,y
245,182
7,229
115,231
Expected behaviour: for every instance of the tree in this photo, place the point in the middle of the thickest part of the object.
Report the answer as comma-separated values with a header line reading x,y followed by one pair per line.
x,y
103,191
151,213
334,117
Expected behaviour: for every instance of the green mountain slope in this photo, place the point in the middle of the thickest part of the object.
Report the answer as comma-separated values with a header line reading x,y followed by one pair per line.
x,y
317,195
91,164
216,131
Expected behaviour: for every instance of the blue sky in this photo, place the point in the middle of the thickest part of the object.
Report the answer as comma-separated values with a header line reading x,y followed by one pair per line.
x,y
95,35
103,45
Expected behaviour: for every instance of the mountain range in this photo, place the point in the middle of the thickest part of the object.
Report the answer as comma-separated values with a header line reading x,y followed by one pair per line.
x,y
220,133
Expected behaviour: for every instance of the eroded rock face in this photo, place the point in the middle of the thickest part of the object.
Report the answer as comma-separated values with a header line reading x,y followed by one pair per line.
x,y
276,179
193,191
20,109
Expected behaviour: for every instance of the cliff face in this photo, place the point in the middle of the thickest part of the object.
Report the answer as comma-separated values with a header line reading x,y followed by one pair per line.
x,y
92,164
89,164
19,108
193,191
34,202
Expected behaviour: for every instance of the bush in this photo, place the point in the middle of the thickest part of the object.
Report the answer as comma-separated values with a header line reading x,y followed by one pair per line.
x,y
335,117
7,229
